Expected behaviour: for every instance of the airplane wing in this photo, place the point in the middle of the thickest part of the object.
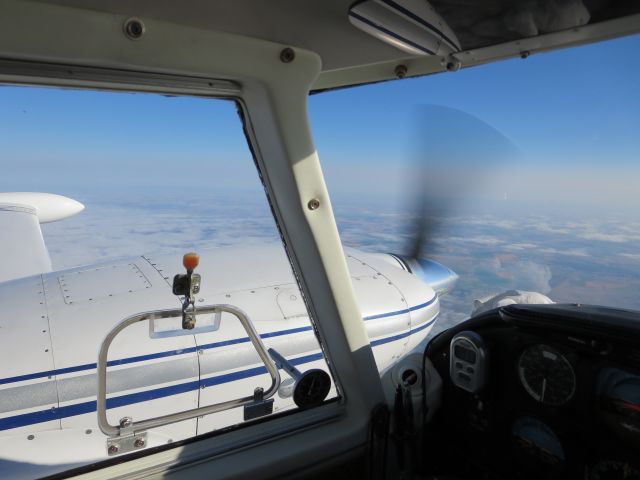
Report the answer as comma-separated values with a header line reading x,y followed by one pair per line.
x,y
22,248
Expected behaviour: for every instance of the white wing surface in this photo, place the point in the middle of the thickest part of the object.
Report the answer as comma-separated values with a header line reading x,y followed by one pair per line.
x,y
22,248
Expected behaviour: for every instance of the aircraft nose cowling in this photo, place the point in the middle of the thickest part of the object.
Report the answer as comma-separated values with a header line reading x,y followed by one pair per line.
x,y
434,274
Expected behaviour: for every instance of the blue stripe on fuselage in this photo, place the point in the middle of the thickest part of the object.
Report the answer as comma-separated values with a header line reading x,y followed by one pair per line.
x,y
400,312
58,413
381,341
153,356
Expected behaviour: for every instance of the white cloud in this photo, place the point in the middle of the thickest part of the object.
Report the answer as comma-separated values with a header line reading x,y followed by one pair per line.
x,y
479,239
575,252
499,274
108,230
521,246
489,221
610,237
542,226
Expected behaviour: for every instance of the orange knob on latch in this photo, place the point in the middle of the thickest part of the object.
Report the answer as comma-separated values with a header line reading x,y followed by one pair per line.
x,y
190,261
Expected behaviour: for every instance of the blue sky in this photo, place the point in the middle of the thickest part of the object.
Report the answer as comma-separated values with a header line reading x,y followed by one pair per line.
x,y
579,106
581,103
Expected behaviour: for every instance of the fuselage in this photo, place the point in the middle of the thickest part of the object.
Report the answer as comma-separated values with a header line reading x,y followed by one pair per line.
x,y
54,324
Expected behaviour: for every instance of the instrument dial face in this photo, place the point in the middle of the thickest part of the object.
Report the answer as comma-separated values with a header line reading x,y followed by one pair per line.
x,y
546,375
538,442
312,388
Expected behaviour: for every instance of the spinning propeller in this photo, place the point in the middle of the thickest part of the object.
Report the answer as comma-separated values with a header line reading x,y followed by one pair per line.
x,y
456,162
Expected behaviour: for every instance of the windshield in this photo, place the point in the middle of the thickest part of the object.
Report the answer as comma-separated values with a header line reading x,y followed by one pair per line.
x,y
529,170
108,191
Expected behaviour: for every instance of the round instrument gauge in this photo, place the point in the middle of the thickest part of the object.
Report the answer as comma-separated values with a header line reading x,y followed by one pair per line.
x,y
619,403
537,443
546,375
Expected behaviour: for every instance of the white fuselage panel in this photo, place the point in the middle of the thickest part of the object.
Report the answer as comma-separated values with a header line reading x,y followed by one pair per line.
x,y
55,323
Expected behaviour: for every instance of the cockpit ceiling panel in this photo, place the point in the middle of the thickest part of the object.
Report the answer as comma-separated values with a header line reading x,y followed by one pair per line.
x,y
323,26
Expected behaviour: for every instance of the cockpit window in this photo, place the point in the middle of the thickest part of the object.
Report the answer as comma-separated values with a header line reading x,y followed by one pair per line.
x,y
553,217
103,195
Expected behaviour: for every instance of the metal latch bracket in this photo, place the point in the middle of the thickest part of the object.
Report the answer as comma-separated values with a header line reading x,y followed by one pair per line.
x,y
126,443
260,406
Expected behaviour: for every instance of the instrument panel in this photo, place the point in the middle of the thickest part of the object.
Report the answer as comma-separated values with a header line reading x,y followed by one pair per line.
x,y
557,399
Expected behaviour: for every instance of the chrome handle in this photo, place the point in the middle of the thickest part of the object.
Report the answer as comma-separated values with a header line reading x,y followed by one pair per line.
x,y
131,427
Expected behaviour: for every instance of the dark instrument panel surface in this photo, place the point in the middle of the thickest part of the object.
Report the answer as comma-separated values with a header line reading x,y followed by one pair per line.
x,y
561,396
